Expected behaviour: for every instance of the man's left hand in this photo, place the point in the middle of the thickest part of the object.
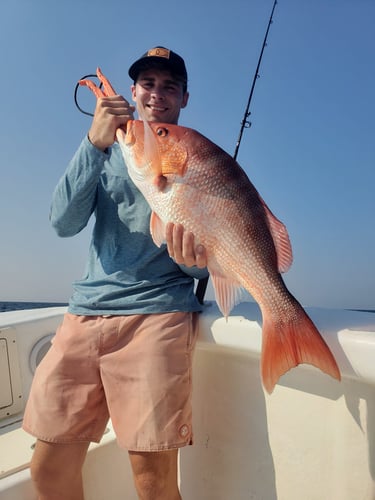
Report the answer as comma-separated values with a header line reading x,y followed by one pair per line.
x,y
182,249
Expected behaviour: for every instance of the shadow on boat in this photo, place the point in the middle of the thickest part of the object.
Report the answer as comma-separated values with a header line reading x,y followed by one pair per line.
x,y
234,446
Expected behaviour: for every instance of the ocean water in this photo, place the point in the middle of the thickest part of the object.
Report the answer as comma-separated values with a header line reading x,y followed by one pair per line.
x,y
18,306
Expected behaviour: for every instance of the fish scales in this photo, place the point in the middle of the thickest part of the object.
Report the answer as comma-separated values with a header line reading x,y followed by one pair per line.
x,y
212,197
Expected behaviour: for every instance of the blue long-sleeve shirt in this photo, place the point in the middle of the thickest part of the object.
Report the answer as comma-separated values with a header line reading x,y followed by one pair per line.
x,y
126,273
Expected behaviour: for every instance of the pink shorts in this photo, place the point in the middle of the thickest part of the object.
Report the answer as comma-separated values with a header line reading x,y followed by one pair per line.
x,y
135,370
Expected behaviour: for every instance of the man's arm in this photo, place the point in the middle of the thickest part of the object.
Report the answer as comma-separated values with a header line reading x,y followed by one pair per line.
x,y
75,195
74,198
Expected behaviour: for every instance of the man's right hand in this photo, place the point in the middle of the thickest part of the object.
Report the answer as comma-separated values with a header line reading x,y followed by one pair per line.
x,y
110,114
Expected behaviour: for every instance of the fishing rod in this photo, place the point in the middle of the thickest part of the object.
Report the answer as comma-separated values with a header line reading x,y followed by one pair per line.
x,y
245,122
202,283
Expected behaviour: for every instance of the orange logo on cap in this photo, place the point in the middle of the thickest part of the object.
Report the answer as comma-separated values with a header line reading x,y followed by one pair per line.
x,y
159,52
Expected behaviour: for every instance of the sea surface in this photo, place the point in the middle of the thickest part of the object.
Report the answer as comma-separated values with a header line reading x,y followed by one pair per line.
x,y
18,306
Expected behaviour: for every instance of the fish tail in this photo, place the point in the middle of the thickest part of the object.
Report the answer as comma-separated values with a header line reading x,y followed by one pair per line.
x,y
290,341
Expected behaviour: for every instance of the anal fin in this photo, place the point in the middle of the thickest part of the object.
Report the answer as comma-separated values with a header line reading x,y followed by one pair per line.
x,y
228,293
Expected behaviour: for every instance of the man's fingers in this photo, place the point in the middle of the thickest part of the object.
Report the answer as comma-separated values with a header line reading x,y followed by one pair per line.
x,y
200,257
181,247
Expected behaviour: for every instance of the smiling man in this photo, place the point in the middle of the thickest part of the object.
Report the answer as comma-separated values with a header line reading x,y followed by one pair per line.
x,y
158,90
124,350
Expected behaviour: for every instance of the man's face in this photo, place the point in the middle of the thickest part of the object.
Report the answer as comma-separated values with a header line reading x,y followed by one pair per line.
x,y
159,96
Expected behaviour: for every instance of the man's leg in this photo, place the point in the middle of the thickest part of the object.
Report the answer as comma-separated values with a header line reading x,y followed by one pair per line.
x,y
56,470
155,474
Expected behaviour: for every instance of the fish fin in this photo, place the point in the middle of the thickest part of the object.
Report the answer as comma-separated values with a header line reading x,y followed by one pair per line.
x,y
98,92
107,90
287,344
157,229
281,240
121,136
227,292
107,86
151,151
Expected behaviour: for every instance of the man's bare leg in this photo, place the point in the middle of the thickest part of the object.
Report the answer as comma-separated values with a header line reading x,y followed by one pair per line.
x,y
56,470
155,474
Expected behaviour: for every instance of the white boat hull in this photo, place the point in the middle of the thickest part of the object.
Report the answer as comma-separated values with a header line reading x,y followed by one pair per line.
x,y
313,438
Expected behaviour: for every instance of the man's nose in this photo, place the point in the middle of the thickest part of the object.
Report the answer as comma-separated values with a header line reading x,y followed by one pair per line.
x,y
158,93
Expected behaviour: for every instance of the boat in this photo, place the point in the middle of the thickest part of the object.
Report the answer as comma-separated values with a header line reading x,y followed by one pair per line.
x,y
312,438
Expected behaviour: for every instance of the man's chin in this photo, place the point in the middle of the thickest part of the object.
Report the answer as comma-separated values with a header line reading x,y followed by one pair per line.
x,y
159,117
156,117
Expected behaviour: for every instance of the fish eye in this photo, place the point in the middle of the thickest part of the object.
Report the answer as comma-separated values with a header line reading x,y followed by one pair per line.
x,y
162,131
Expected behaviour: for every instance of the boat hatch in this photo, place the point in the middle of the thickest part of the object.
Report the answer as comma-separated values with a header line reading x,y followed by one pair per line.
x,y
11,397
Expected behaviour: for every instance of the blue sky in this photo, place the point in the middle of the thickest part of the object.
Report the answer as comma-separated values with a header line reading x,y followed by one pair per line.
x,y
310,150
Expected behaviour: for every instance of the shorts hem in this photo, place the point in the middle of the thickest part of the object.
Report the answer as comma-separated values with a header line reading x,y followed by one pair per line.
x,y
61,440
156,448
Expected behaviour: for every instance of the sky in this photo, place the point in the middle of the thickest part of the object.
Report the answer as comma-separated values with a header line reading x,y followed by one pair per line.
x,y
310,150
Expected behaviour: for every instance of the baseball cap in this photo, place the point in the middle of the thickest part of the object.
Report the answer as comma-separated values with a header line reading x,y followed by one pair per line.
x,y
163,57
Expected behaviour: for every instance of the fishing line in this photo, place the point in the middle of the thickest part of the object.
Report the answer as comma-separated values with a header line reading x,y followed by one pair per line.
x,y
245,123
76,94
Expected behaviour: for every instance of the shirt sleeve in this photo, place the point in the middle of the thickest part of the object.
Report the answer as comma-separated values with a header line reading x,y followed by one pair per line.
x,y
74,198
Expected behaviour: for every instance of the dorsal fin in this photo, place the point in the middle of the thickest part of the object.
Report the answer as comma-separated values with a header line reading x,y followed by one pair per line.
x,y
281,240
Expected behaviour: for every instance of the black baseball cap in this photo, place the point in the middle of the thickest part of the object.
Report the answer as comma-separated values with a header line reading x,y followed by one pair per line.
x,y
160,57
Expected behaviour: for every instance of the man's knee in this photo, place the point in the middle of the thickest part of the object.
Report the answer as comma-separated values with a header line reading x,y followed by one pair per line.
x,y
155,474
55,467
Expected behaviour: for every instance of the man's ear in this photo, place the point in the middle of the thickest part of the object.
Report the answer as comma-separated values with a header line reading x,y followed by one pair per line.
x,y
185,100
132,88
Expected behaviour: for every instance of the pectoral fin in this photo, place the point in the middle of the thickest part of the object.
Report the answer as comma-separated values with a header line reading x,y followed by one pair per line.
x,y
157,229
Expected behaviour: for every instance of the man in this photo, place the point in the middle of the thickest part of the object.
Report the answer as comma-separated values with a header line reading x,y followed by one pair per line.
x,y
124,349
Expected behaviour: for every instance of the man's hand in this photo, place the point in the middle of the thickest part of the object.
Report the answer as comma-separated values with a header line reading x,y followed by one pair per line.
x,y
110,114
182,249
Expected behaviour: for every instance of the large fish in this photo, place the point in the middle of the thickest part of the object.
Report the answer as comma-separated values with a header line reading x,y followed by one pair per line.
x,y
188,179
